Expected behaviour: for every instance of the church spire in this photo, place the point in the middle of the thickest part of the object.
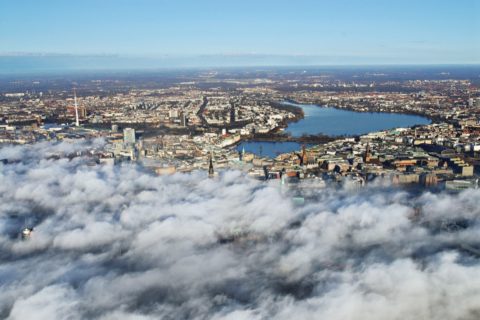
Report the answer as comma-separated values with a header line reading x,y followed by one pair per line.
x,y
210,165
367,155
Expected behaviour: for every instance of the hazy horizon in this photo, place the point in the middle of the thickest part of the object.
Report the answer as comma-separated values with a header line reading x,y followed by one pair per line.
x,y
155,34
48,63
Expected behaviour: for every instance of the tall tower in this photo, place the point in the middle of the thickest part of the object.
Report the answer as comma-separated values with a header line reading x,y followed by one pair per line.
x,y
77,123
366,156
210,166
304,155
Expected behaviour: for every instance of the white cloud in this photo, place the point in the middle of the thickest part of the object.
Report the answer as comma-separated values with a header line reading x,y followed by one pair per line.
x,y
119,243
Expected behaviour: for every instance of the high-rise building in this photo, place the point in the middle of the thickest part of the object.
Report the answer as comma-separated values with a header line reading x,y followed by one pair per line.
x,y
232,115
129,135
183,119
82,112
79,111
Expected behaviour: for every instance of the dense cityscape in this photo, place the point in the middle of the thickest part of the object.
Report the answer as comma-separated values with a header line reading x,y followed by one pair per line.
x,y
196,120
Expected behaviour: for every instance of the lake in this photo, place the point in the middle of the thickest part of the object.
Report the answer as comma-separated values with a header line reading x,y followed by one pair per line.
x,y
336,122
332,122
269,149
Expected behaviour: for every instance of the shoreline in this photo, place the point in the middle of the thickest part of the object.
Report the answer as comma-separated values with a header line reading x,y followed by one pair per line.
x,y
275,136
322,105
278,136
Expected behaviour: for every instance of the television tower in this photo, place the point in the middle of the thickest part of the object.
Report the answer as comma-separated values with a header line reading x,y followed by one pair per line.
x,y
77,123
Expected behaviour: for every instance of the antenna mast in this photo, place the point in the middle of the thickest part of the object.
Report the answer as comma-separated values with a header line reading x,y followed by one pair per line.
x,y
77,123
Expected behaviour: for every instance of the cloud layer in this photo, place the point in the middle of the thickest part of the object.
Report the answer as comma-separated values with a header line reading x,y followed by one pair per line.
x,y
120,243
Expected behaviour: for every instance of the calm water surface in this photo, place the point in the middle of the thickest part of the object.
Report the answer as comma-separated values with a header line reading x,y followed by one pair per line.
x,y
332,122
336,122
269,149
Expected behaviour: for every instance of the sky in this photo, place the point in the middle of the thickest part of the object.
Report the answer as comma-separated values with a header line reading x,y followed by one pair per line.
x,y
345,31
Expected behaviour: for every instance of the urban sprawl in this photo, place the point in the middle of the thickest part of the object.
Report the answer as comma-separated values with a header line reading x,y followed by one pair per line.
x,y
196,123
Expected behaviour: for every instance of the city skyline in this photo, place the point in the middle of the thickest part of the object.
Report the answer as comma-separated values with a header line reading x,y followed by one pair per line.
x,y
188,33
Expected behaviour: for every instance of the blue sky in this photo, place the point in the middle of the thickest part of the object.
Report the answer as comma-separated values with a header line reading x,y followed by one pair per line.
x,y
400,31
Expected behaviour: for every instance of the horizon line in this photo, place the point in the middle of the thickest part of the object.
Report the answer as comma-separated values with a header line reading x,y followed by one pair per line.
x,y
80,70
